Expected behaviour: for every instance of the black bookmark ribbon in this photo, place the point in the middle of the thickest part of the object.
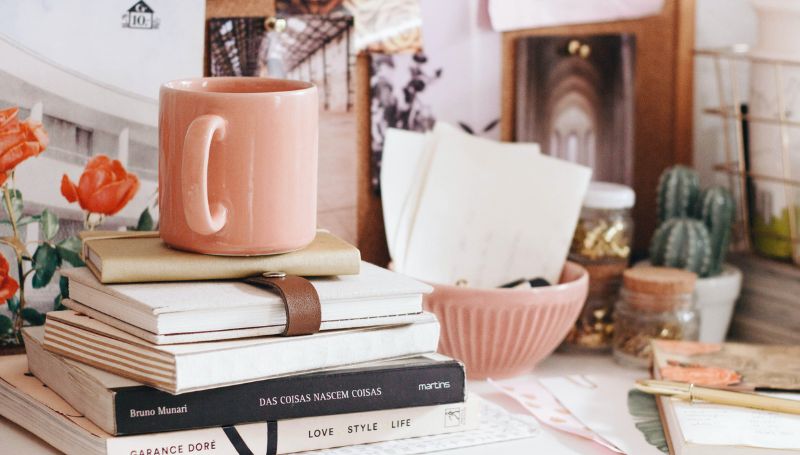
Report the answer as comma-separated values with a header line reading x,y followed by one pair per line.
x,y
236,439
241,447
272,437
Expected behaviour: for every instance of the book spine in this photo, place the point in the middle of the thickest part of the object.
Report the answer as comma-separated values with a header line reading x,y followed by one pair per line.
x,y
145,410
311,433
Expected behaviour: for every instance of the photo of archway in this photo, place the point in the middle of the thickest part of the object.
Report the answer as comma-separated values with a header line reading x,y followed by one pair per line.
x,y
575,98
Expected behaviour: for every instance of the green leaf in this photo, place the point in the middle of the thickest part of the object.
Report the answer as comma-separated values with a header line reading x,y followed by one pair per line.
x,y
145,221
26,220
644,412
45,262
49,223
5,324
16,203
13,304
57,305
63,284
69,250
32,316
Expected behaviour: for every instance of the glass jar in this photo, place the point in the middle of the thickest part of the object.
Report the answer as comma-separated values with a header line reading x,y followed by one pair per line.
x,y
602,244
655,303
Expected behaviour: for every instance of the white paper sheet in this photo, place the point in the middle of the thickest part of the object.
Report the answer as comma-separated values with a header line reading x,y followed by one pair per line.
x,y
490,212
595,401
403,162
708,424
518,14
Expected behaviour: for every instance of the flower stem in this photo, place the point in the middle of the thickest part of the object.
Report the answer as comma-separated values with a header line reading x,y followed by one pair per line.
x,y
10,210
92,220
18,320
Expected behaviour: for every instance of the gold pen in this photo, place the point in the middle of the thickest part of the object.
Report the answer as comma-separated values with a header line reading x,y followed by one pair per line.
x,y
691,392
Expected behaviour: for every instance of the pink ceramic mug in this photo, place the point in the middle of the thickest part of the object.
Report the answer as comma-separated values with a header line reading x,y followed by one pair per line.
x,y
237,171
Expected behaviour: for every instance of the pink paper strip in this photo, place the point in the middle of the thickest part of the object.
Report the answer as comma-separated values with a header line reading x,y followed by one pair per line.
x,y
546,408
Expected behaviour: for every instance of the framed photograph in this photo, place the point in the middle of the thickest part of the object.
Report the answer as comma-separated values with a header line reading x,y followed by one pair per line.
x,y
662,96
575,97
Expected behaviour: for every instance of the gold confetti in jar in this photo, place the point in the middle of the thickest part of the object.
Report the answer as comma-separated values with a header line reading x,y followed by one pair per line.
x,y
602,244
655,303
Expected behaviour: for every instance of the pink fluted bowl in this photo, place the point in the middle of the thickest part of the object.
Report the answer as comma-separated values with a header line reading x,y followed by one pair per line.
x,y
503,332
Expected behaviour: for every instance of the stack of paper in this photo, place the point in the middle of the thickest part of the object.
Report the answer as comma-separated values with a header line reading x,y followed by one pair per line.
x,y
462,208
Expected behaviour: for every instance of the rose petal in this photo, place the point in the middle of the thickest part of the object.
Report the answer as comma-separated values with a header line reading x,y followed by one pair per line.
x,y
35,132
133,187
91,180
3,266
68,189
17,154
111,198
98,161
8,288
8,117
118,170
10,138
3,178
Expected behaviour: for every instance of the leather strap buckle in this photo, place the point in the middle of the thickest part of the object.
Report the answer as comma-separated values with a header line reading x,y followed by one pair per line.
x,y
300,299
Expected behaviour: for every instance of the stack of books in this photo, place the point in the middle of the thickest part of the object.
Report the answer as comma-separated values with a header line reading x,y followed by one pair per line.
x,y
163,351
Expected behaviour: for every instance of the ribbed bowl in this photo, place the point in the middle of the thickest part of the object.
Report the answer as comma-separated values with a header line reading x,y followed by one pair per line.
x,y
503,332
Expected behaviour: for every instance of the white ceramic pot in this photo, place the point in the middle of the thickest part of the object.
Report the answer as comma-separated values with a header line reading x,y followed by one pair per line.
x,y
715,299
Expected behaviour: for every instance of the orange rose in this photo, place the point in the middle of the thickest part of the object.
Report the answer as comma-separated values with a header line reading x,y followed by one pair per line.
x,y
8,285
18,141
104,187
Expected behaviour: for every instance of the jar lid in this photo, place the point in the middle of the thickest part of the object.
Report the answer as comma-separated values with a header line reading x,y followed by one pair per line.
x,y
605,195
659,280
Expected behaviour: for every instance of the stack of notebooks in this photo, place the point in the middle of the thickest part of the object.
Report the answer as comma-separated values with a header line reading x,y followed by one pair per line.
x,y
162,352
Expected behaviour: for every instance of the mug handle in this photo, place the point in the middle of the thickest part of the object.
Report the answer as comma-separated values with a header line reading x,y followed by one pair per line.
x,y
200,216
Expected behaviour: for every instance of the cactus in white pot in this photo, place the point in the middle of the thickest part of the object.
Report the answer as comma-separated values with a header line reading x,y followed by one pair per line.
x,y
694,234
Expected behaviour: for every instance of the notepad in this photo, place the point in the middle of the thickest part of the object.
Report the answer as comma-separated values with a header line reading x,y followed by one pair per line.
x,y
704,428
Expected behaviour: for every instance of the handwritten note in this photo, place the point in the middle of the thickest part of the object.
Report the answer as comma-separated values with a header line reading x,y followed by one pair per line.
x,y
709,424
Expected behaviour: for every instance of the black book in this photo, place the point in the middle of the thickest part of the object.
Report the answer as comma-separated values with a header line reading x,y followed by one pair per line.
x,y
122,406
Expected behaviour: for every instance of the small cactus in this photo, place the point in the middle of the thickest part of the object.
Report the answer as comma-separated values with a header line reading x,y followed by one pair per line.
x,y
682,243
715,209
678,189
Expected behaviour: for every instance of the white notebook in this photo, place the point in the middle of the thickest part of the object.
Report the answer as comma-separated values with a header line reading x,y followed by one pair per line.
x,y
187,367
374,297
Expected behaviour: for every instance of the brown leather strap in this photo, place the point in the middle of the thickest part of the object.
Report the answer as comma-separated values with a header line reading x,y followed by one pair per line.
x,y
303,314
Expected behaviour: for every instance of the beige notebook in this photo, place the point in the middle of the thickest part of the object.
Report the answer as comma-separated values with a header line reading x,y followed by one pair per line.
x,y
124,257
